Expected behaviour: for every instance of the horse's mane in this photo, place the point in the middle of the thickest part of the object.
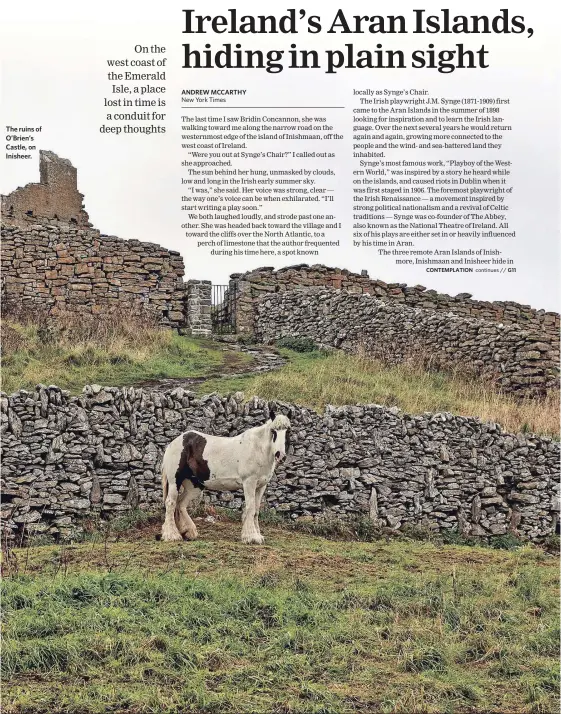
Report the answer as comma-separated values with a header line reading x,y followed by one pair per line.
x,y
280,422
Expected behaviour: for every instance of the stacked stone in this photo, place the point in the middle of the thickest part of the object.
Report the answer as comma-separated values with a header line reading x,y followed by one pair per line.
x,y
199,299
514,359
66,459
61,267
252,285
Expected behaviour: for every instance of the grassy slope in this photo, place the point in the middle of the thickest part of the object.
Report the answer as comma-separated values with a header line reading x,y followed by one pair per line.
x,y
116,359
315,379
302,624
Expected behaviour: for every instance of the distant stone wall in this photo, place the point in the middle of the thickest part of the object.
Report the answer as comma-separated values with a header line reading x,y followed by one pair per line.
x,y
62,267
69,458
252,285
515,360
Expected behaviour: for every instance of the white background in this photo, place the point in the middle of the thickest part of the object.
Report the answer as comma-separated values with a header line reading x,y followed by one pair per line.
x,y
55,75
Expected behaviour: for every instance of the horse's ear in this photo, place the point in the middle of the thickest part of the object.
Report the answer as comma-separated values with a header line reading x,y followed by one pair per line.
x,y
272,413
290,413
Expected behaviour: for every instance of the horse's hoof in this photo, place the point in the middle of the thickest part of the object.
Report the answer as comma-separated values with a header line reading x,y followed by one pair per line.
x,y
190,536
253,540
171,537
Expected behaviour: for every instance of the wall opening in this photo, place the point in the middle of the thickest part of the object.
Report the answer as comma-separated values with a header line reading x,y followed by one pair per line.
x,y
223,309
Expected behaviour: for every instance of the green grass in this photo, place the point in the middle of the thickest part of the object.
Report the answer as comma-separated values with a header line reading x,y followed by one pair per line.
x,y
300,625
120,357
315,379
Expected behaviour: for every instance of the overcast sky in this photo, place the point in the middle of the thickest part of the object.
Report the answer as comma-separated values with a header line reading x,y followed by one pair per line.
x,y
55,75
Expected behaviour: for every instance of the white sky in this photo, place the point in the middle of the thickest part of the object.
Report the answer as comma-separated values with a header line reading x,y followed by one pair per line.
x,y
54,75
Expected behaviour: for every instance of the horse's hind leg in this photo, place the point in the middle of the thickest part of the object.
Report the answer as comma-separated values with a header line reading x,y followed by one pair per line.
x,y
259,491
189,496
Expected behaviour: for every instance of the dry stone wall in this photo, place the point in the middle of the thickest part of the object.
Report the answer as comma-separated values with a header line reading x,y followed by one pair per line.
x,y
251,286
61,267
69,458
514,359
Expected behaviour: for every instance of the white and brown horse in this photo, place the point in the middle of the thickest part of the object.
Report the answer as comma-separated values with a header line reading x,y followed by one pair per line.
x,y
195,461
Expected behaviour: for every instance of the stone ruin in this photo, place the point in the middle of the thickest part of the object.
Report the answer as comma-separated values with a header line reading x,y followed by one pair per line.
x,y
53,260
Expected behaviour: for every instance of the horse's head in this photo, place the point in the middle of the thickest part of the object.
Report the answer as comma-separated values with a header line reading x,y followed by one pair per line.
x,y
279,427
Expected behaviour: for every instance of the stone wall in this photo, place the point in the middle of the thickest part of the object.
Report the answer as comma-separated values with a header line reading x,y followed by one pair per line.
x,y
62,267
512,358
69,458
199,298
252,285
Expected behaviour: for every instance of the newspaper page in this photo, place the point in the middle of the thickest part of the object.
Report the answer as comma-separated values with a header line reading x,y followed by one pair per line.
x,y
280,331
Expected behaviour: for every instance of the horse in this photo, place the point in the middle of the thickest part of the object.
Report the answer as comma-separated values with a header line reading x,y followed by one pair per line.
x,y
195,461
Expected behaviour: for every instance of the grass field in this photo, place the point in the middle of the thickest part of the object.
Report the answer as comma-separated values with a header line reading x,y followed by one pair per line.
x,y
114,351
314,379
302,624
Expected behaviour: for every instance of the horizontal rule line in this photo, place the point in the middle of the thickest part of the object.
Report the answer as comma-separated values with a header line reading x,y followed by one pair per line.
x,y
194,106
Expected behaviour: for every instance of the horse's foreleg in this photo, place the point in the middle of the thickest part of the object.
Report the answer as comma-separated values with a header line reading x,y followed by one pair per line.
x,y
188,498
259,491
169,529
249,533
